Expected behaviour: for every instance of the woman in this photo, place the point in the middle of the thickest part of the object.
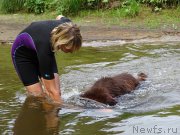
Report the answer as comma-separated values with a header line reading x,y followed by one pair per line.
x,y
33,54
37,117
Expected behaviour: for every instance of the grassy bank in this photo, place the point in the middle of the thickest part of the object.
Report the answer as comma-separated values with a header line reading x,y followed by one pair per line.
x,y
146,19
166,19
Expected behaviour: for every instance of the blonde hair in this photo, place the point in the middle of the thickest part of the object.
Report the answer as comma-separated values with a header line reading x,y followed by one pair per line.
x,y
67,34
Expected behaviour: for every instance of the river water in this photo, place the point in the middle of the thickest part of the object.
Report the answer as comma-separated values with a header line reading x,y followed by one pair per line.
x,y
153,108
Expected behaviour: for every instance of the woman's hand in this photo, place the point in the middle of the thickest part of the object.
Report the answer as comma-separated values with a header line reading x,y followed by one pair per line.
x,y
52,90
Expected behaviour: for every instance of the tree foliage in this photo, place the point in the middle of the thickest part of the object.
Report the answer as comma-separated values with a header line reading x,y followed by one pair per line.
x,y
35,6
67,7
158,5
10,6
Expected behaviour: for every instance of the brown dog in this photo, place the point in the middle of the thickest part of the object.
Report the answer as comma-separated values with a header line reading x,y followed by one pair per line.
x,y
106,89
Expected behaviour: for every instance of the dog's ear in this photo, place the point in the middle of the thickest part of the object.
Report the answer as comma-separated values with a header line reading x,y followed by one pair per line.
x,y
110,100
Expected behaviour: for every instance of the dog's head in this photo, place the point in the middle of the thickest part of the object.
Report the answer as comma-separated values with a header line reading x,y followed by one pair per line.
x,y
142,76
100,95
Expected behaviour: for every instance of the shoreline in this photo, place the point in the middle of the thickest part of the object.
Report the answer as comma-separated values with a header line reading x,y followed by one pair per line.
x,y
90,33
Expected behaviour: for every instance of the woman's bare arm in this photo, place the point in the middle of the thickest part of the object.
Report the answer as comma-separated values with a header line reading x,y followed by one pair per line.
x,y
52,89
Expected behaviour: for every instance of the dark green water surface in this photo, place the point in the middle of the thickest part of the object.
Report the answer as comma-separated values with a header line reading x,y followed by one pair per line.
x,y
154,108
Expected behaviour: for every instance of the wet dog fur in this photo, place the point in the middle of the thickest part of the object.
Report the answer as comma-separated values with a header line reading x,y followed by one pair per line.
x,y
106,89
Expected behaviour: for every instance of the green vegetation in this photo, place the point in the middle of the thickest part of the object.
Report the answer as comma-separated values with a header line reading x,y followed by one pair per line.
x,y
166,19
158,5
11,6
73,7
149,14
